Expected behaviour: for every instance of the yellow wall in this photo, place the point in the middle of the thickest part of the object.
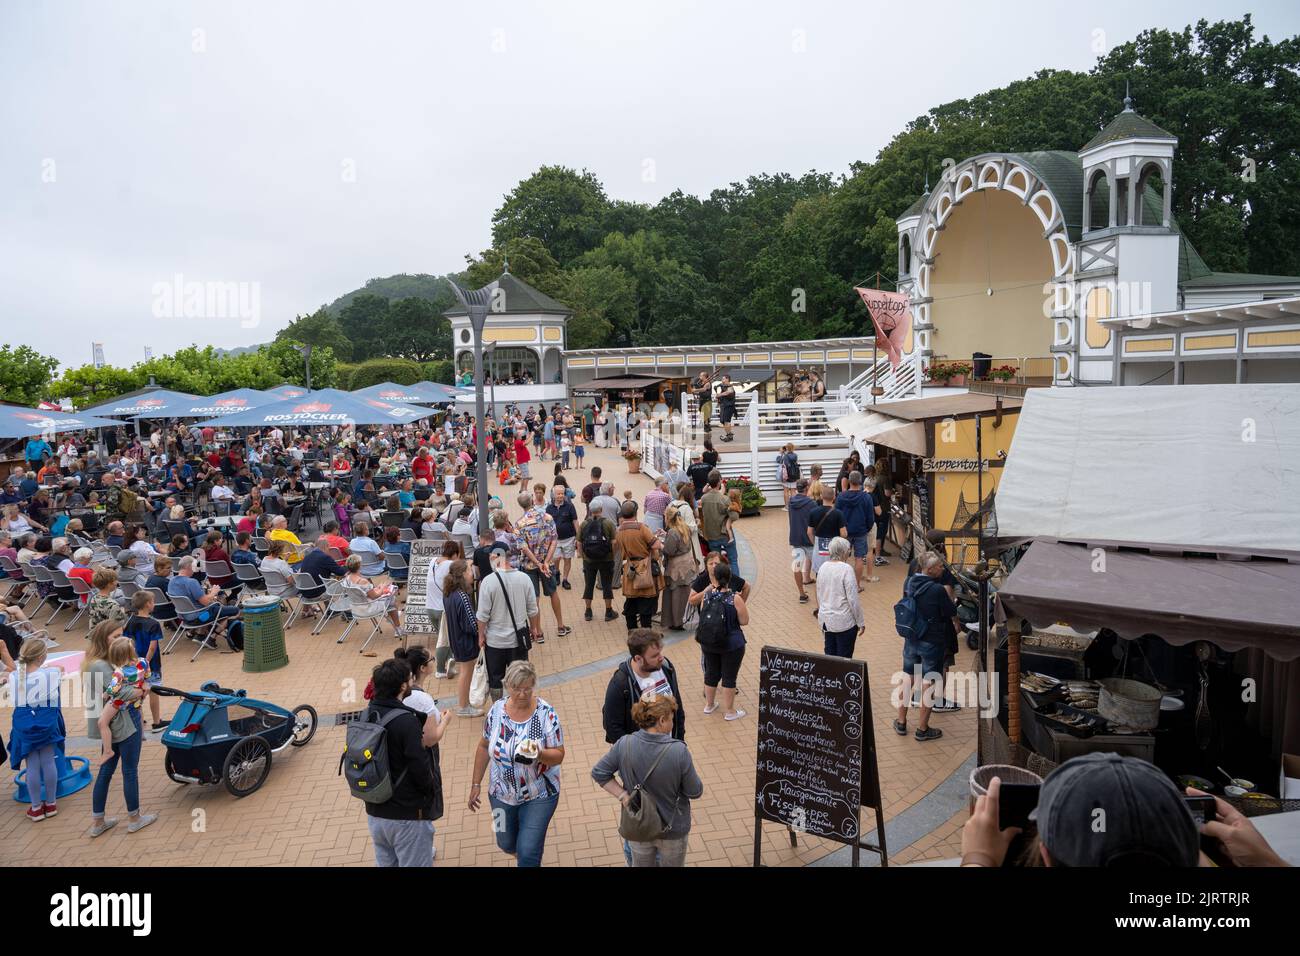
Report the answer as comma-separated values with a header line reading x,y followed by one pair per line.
x,y
949,487
991,233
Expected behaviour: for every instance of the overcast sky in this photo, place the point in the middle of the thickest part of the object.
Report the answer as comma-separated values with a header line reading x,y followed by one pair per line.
x,y
300,148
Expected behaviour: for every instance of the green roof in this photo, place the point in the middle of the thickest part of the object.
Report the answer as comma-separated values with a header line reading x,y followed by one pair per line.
x,y
519,298
1128,125
1223,279
916,207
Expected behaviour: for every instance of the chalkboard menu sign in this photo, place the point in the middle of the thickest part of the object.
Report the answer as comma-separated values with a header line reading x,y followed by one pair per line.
x,y
417,618
816,745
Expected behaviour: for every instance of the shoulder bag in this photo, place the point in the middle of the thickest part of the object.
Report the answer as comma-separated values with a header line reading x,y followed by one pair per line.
x,y
523,635
639,820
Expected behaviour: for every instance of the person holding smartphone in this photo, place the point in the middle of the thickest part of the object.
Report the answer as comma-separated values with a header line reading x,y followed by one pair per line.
x,y
1148,823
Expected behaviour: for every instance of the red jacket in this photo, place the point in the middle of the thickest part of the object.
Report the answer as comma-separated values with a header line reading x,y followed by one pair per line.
x,y
422,468
521,451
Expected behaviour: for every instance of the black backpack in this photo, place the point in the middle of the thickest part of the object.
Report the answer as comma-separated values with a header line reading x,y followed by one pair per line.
x,y
712,629
365,758
595,542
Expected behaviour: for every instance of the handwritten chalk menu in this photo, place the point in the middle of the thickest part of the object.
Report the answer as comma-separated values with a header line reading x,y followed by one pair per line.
x,y
814,731
417,618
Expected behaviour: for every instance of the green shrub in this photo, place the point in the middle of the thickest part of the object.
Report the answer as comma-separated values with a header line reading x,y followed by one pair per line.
x,y
442,371
374,371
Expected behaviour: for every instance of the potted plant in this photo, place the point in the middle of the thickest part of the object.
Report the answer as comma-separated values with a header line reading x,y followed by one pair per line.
x,y
752,498
1004,373
938,374
633,457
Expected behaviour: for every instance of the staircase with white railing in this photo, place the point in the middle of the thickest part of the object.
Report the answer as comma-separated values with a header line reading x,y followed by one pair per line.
x,y
906,381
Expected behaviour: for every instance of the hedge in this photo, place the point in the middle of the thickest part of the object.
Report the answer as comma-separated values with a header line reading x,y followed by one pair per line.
x,y
374,371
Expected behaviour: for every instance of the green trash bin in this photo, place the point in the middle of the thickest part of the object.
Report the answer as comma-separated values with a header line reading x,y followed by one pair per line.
x,y
264,648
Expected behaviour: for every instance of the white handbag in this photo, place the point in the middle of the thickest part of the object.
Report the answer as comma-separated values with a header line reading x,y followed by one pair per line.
x,y
478,684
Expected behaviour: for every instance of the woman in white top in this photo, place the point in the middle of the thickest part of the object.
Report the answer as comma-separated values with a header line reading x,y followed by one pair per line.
x,y
417,698
431,524
839,608
438,569
17,523
142,551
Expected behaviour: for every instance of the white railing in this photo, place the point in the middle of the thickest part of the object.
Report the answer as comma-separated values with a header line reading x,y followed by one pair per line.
x,y
900,383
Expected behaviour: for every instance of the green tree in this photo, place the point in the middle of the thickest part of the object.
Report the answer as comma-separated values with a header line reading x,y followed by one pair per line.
x,y
24,374
319,329
529,260
414,329
603,298
287,364
363,322
87,385
560,207
374,371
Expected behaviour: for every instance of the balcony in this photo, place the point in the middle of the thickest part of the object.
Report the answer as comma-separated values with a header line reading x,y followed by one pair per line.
x,y
499,396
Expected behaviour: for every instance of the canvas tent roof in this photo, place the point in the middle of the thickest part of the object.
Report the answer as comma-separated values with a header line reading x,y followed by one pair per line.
x,y
287,390
16,422
1195,467
428,393
225,403
1232,604
886,430
326,406
155,403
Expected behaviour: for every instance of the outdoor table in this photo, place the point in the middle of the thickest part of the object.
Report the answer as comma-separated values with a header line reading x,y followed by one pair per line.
x,y
318,485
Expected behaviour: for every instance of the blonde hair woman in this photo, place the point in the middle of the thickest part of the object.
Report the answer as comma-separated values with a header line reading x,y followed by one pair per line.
x,y
681,563
386,593
523,742
662,767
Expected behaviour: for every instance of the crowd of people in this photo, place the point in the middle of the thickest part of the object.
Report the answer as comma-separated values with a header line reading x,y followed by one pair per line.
x,y
137,518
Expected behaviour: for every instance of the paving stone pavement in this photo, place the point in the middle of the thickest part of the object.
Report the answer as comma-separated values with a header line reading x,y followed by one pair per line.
x,y
304,815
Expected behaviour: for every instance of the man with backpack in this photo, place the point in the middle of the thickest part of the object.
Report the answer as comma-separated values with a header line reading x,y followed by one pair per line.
x,y
388,766
859,511
645,671
922,618
596,549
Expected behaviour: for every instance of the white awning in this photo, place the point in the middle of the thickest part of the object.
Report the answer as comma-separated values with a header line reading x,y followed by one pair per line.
x,y
898,433
1191,466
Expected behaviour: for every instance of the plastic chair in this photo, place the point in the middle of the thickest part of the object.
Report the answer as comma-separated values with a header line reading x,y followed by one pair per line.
x,y
84,592
302,582
281,587
364,608
185,606
249,576
63,594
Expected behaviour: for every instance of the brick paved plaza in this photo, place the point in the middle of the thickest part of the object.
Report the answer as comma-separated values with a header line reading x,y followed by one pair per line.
x,y
304,815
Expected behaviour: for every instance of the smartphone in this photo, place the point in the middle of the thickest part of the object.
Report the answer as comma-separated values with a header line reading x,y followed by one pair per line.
x,y
1015,802
1203,809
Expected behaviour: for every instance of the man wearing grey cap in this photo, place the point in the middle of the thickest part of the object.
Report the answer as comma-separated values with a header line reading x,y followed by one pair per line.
x,y
1100,809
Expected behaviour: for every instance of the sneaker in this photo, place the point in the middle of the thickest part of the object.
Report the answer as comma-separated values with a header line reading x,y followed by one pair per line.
x,y
159,726
803,599
98,829
900,728
586,616
566,585
36,814
736,716
930,733
946,706
611,615
51,810
468,712
141,822
398,632
540,639
881,562
710,708
441,675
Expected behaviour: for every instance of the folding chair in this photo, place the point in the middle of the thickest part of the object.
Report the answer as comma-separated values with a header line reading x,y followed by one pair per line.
x,y
206,629
303,582
40,574
277,584
128,588
466,542
250,577
364,608
398,569
14,575
407,533
338,606
83,591
63,594
222,571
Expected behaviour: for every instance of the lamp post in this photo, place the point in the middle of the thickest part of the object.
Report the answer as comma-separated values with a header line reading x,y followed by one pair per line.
x,y
305,352
489,354
476,303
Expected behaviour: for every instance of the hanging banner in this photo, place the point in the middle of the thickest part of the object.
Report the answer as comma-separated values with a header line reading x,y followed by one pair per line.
x,y
891,314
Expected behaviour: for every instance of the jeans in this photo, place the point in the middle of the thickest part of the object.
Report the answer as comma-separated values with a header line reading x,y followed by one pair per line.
x,y
402,842
521,830
840,643
729,547
42,770
659,853
128,753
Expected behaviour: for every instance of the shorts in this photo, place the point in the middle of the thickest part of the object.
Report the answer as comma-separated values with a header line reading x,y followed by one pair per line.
x,y
861,544
871,539
566,548
799,555
924,654
821,554
155,680
726,413
542,585
789,485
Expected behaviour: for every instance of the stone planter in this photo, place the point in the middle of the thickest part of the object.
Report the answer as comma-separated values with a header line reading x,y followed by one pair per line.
x,y
634,466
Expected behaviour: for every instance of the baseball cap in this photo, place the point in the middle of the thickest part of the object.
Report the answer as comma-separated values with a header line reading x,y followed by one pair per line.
x,y
1105,809
500,547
